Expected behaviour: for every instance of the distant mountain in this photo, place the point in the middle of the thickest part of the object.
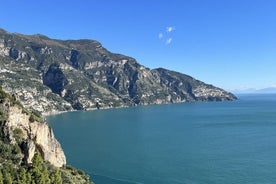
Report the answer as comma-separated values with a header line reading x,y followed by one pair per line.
x,y
59,75
266,90
252,90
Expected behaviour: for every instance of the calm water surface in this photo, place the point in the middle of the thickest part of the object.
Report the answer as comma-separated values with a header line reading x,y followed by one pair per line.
x,y
190,143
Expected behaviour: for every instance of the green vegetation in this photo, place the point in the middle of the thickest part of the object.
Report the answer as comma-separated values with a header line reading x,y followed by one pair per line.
x,y
57,75
36,116
13,167
51,76
18,135
39,172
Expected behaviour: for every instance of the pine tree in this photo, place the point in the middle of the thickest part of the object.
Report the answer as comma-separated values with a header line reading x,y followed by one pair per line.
x,y
22,176
56,176
45,174
37,176
36,170
1,177
7,178
39,170
37,161
28,178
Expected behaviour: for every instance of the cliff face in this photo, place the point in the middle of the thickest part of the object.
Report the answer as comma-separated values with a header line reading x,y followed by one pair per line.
x,y
18,126
58,75
29,151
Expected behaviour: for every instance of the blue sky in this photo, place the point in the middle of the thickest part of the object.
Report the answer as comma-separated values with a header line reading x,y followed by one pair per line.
x,y
227,43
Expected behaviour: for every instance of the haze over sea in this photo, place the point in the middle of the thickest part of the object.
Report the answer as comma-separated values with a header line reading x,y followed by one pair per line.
x,y
190,143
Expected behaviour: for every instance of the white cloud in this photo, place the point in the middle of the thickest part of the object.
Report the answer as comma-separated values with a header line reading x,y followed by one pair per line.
x,y
160,35
166,38
168,41
170,29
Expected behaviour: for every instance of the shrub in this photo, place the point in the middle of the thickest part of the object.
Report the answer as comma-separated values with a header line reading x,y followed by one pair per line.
x,y
32,118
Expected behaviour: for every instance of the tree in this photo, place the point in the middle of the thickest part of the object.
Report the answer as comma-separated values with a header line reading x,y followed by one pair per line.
x,y
55,176
45,174
7,178
22,176
32,118
39,170
28,178
1,177
37,161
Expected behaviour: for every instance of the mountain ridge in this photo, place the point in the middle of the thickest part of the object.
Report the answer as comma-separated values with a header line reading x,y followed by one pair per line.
x,y
266,90
63,75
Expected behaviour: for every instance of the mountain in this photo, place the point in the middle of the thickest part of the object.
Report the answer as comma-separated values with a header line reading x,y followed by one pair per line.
x,y
268,90
29,152
59,75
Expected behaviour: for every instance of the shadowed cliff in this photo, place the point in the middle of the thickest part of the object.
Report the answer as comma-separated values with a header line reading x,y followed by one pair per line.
x,y
59,75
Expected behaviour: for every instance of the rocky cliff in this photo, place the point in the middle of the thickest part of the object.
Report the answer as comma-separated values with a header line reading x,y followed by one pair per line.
x,y
29,152
19,126
37,136
59,75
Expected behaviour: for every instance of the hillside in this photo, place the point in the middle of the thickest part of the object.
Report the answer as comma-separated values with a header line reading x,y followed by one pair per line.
x,y
59,75
29,152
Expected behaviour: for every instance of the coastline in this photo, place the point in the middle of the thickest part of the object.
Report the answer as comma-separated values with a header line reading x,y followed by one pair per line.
x,y
51,113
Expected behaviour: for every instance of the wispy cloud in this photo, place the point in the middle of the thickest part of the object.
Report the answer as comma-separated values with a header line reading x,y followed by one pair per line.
x,y
170,29
168,41
160,36
167,36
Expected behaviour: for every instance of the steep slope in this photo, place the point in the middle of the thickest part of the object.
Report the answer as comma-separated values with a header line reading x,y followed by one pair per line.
x,y
34,133
57,75
186,88
28,148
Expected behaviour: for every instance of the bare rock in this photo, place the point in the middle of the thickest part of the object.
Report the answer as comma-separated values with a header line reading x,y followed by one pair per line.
x,y
37,136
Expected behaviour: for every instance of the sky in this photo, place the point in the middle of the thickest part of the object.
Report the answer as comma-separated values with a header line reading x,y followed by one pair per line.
x,y
228,43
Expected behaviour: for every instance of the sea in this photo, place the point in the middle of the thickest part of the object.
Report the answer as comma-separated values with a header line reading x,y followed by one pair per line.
x,y
229,142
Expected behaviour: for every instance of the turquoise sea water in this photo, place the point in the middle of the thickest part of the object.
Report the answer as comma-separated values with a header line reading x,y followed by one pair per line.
x,y
190,143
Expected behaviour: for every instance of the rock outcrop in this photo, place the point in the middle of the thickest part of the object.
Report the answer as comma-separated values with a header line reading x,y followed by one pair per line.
x,y
29,151
34,135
